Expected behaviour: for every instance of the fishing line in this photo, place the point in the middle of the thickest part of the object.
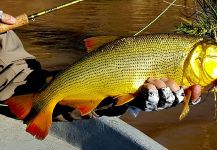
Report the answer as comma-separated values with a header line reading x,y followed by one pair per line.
x,y
155,19
177,5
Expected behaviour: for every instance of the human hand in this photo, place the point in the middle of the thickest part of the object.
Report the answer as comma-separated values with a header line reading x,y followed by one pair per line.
x,y
6,18
161,94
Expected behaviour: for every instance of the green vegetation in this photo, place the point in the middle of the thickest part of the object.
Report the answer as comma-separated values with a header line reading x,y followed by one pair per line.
x,y
204,22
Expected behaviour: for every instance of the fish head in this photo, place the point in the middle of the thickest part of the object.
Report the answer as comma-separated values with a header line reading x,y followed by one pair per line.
x,y
201,65
209,61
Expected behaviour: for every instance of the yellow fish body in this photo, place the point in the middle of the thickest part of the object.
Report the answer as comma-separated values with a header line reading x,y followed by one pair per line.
x,y
118,69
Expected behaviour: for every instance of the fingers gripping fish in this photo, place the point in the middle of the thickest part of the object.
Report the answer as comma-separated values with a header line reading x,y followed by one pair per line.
x,y
117,67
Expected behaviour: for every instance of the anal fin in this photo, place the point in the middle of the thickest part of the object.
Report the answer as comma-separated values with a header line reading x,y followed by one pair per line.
x,y
84,106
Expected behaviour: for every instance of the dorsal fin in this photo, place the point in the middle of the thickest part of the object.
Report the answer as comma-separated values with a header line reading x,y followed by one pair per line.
x,y
93,43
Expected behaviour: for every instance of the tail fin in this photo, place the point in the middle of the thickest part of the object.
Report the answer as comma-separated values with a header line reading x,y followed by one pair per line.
x,y
20,105
40,125
37,118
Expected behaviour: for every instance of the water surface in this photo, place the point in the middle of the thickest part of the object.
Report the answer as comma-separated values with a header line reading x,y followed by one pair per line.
x,y
57,40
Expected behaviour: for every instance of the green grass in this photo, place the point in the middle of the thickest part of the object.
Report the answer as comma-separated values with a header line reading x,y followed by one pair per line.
x,y
204,22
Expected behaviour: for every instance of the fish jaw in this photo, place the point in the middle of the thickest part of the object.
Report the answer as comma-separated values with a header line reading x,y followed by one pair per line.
x,y
210,62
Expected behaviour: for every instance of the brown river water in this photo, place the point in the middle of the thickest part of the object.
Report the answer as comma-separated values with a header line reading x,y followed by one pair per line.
x,y
57,40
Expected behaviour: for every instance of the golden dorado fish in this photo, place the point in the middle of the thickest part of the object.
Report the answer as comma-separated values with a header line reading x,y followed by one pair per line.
x,y
117,68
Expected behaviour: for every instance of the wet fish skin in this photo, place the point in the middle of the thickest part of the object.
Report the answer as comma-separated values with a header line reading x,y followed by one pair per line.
x,y
116,69
126,63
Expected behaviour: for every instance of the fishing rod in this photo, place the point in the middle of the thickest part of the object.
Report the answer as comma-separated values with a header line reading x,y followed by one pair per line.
x,y
24,19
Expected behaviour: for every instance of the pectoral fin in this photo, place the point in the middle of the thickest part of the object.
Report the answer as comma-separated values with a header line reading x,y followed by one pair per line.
x,y
186,107
123,99
85,107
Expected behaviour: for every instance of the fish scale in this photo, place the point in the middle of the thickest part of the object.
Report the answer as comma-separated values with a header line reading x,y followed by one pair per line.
x,y
122,66
125,64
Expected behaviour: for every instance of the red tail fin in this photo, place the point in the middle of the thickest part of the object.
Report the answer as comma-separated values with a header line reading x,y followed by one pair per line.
x,y
38,122
20,105
40,125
